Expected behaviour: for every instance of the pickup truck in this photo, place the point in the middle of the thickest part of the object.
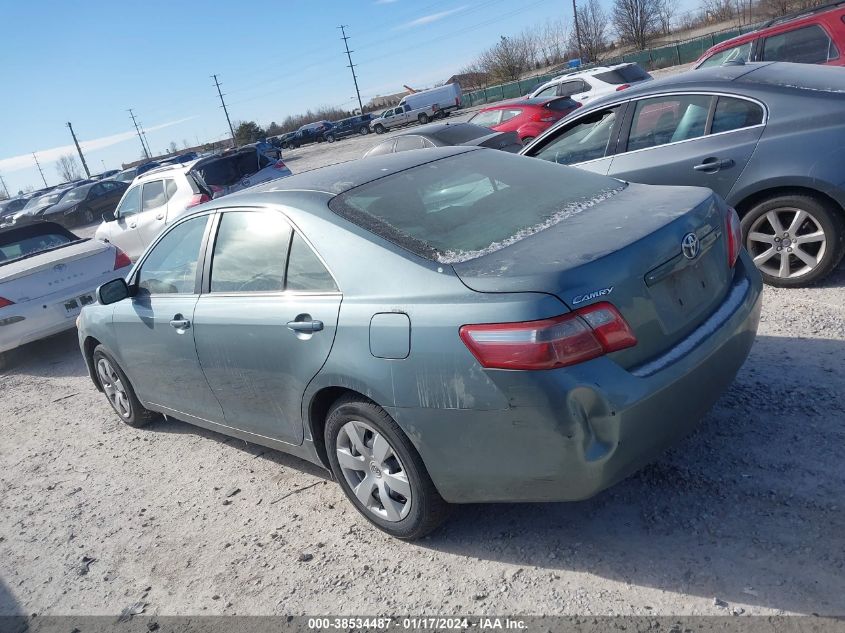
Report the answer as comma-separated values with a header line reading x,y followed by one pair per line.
x,y
404,115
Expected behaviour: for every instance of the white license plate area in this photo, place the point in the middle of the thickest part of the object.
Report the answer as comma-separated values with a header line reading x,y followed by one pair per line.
x,y
72,307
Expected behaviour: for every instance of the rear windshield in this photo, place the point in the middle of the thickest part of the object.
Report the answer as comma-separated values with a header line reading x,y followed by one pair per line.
x,y
227,170
625,75
465,206
457,134
22,243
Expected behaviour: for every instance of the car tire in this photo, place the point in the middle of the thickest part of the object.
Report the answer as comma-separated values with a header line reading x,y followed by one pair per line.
x,y
329,138
87,217
379,129
408,516
363,130
423,118
119,391
770,229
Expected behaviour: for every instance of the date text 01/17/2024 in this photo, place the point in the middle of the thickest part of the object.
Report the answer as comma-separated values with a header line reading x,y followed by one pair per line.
x,y
416,623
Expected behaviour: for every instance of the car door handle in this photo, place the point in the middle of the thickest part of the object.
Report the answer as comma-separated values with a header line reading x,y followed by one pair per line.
x,y
713,164
133,225
180,323
305,326
160,216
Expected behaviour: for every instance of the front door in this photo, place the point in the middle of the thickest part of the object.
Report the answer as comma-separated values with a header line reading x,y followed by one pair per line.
x,y
671,142
153,216
265,324
123,230
154,329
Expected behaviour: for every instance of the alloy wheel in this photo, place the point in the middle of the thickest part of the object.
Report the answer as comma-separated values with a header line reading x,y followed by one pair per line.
x,y
786,242
373,471
113,386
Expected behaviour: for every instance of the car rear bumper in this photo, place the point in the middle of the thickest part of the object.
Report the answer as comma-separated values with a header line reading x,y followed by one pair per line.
x,y
23,323
570,433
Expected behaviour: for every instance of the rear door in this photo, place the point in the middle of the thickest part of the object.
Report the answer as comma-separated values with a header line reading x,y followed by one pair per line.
x,y
698,140
154,330
265,322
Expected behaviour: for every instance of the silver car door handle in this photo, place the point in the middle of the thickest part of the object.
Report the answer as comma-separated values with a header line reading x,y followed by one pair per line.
x,y
133,225
713,164
305,326
160,216
180,323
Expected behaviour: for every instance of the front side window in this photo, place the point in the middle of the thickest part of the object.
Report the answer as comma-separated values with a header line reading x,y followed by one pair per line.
x,y
487,119
583,140
670,119
736,53
250,252
153,195
306,272
171,267
807,45
131,203
735,114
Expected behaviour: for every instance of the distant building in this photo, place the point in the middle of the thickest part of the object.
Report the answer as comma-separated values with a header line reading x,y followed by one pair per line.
x,y
469,81
385,101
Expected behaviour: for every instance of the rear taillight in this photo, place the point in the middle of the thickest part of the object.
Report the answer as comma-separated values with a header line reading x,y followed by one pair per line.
x,y
5,302
279,164
121,259
733,230
558,342
622,87
197,198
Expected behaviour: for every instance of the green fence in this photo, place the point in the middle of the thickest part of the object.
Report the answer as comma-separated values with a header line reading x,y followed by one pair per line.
x,y
670,55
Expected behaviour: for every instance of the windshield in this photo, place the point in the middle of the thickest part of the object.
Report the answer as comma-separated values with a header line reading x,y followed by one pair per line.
x,y
50,198
466,206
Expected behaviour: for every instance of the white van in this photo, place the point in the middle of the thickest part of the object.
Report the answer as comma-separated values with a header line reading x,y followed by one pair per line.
x,y
443,98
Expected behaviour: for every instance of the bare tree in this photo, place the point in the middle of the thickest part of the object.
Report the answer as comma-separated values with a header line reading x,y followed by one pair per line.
x,y
593,24
507,60
68,168
720,10
552,39
636,21
665,12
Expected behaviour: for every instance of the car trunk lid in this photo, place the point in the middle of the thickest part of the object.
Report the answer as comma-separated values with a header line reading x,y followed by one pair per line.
x,y
626,250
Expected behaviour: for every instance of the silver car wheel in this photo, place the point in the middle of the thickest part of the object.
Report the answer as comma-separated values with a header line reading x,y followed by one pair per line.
x,y
786,242
373,471
113,386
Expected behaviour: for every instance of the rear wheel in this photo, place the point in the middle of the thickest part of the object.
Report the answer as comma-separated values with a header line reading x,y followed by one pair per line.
x,y
329,138
87,216
379,129
423,118
119,391
363,130
380,471
794,240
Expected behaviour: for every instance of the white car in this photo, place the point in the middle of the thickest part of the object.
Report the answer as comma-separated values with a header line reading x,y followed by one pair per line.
x,y
158,197
46,275
588,85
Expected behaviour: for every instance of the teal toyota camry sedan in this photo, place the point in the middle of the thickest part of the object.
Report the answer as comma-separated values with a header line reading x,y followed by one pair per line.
x,y
437,327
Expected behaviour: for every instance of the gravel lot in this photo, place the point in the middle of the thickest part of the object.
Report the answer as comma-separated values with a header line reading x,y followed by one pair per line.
x,y
745,516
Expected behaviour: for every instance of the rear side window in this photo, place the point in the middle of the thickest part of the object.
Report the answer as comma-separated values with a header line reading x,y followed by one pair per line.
x,y
306,272
153,196
131,203
382,148
807,45
409,142
734,114
470,204
665,120
171,267
170,188
250,252
507,115
551,91
487,119
625,75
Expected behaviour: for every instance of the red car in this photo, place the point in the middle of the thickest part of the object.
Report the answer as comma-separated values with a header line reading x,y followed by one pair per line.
x,y
815,36
527,117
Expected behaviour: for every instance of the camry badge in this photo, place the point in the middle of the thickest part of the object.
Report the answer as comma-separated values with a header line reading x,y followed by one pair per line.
x,y
595,294
690,246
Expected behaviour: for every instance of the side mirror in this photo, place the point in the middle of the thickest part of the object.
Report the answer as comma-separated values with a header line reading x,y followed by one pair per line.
x,y
113,291
109,216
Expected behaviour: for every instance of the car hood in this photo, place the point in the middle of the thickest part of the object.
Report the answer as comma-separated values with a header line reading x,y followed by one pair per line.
x,y
60,207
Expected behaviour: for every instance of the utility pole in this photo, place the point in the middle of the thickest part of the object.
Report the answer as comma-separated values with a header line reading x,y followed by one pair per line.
x,y
138,130
5,188
228,120
78,149
577,29
41,171
351,66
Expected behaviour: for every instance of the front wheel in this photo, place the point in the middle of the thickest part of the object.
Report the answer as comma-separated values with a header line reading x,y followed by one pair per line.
x,y
380,471
364,130
794,240
330,138
423,118
379,129
87,216
119,391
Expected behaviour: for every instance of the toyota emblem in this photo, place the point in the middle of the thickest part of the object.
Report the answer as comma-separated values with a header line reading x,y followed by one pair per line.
x,y
690,246
59,268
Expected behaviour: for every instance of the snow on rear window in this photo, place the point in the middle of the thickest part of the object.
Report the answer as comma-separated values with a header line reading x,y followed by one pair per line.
x,y
468,205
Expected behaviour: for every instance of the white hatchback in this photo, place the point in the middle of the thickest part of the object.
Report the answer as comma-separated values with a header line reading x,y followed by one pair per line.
x,y
588,85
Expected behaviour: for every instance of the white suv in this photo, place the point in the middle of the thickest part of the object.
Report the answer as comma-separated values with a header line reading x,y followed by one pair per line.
x,y
161,195
588,85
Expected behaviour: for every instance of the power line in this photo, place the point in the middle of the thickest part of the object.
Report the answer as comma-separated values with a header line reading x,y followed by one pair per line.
x,y
78,149
228,120
345,39
41,171
137,129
